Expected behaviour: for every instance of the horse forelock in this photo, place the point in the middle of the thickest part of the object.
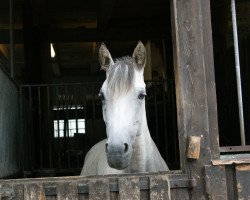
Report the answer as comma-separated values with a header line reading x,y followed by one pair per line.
x,y
120,76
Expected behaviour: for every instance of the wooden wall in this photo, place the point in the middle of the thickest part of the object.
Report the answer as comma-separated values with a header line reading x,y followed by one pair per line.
x,y
113,187
228,182
9,124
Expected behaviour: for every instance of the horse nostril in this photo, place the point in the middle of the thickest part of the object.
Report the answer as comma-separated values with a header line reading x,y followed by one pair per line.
x,y
106,147
126,147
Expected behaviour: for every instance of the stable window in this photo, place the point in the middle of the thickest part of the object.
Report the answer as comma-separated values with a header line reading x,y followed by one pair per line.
x,y
231,42
69,127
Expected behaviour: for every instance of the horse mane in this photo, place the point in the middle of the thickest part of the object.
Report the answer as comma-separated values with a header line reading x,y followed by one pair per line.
x,y
120,76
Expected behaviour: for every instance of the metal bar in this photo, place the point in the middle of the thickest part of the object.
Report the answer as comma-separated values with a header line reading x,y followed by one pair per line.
x,y
40,128
93,115
76,118
165,117
85,116
48,123
66,139
31,128
11,40
58,127
156,114
60,84
20,136
232,149
238,77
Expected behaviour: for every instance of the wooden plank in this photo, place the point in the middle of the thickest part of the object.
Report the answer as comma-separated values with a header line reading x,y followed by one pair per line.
x,y
129,188
231,183
67,190
91,35
195,86
99,189
160,187
232,159
19,191
234,149
243,181
83,190
180,193
145,195
7,191
114,195
216,185
34,191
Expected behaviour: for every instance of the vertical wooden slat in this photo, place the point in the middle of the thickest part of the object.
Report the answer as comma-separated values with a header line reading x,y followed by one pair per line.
x,y
34,191
99,189
114,196
159,187
67,190
145,195
82,196
195,86
179,193
216,186
242,173
19,193
129,188
1,191
7,191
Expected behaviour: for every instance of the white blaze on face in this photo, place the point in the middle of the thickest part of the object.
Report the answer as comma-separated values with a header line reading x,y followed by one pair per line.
x,y
122,114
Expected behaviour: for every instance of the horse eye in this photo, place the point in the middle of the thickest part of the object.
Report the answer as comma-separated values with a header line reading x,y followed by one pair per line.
x,y
101,96
141,96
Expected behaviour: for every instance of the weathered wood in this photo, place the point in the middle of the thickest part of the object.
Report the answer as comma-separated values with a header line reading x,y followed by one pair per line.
x,y
34,191
99,189
114,195
82,195
194,146
216,187
232,159
90,35
160,187
129,188
67,190
6,191
243,181
195,86
19,191
231,183
177,194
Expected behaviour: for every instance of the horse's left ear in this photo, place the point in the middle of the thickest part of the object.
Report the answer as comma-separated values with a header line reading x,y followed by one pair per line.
x,y
139,55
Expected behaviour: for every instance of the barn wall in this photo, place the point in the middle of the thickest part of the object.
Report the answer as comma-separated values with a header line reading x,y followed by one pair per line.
x,y
8,126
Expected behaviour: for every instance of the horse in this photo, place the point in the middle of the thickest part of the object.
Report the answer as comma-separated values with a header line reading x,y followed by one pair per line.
x,y
128,147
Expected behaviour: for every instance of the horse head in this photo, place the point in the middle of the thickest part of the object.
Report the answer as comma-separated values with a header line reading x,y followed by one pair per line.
x,y
123,103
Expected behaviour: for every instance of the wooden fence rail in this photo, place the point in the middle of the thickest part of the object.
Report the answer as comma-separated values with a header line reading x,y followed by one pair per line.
x,y
146,186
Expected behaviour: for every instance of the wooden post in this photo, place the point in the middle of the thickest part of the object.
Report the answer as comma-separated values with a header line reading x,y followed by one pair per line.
x,y
195,86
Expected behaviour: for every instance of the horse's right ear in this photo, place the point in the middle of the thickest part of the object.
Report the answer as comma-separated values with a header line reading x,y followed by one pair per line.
x,y
105,58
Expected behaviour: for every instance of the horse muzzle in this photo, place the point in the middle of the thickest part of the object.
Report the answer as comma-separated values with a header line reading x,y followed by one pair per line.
x,y
118,156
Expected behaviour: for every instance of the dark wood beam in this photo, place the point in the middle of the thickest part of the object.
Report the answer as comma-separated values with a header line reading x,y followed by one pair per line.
x,y
90,35
105,13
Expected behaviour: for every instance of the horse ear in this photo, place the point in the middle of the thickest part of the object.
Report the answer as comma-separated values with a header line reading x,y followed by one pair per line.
x,y
105,58
139,55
